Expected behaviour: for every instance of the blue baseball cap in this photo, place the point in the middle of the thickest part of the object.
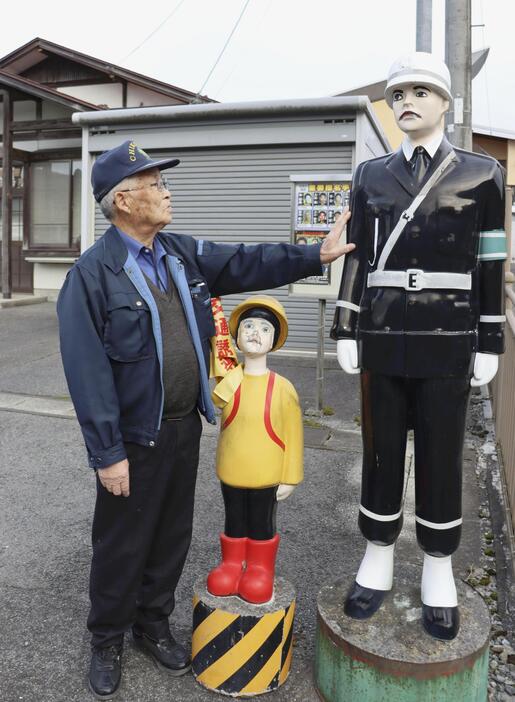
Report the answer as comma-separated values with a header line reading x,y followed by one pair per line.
x,y
114,165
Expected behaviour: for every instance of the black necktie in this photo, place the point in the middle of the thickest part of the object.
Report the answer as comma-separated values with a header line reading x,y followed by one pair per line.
x,y
419,162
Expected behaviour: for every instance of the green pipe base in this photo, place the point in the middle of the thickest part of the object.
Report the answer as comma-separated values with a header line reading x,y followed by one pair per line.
x,y
390,658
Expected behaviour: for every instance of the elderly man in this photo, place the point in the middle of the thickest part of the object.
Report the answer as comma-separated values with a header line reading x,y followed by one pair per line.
x,y
135,323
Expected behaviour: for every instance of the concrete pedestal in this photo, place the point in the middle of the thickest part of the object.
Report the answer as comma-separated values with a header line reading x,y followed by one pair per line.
x,y
238,648
390,658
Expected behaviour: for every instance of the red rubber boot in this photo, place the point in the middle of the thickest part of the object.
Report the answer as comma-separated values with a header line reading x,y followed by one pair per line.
x,y
224,579
257,582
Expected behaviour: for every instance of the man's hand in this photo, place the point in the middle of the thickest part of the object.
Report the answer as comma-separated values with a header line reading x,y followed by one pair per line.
x,y
331,247
115,478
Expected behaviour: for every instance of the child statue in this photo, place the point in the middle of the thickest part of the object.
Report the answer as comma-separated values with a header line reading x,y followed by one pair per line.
x,y
260,452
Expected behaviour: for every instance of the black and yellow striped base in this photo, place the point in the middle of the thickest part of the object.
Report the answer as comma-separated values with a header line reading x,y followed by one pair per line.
x,y
240,649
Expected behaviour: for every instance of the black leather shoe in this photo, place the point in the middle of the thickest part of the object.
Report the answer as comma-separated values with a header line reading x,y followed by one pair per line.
x,y
167,654
441,622
362,602
105,672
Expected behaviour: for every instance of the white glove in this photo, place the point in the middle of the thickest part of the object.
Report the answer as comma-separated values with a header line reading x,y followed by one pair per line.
x,y
485,368
347,352
284,491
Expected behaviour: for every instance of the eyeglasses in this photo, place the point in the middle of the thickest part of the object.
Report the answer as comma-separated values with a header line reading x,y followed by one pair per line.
x,y
160,186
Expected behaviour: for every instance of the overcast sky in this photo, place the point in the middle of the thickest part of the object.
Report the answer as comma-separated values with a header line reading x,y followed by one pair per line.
x,y
281,49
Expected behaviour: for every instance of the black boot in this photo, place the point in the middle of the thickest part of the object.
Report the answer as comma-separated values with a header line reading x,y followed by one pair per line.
x,y
105,671
362,602
167,654
441,622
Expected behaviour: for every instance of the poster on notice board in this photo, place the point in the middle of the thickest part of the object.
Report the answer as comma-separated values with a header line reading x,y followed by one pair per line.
x,y
317,206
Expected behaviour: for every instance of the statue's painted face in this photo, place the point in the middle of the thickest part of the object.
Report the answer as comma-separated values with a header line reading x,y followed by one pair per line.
x,y
255,336
418,109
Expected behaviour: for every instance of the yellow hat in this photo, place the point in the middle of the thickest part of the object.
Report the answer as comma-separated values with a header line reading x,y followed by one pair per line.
x,y
267,302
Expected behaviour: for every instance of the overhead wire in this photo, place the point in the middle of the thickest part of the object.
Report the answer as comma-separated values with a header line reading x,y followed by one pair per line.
x,y
236,63
199,92
161,24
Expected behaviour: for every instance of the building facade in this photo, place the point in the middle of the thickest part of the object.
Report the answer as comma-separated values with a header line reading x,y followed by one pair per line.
x,y
41,85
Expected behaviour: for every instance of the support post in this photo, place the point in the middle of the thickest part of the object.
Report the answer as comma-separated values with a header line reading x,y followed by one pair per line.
x,y
319,400
458,56
424,25
86,239
510,278
7,196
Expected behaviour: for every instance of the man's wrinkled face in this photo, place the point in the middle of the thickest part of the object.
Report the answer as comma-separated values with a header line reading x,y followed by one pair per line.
x,y
255,336
148,200
418,109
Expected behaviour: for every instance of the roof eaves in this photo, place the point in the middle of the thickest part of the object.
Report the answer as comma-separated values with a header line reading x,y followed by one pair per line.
x,y
43,91
103,66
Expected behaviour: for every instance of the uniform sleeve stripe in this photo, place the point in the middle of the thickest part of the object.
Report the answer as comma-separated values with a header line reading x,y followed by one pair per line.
x,y
497,256
200,247
492,244
493,234
492,318
348,305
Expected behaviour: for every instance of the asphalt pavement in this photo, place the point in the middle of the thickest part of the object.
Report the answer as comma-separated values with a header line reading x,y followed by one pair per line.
x,y
46,503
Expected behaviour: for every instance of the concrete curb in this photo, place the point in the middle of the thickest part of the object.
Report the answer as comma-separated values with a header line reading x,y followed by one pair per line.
x,y
36,404
20,300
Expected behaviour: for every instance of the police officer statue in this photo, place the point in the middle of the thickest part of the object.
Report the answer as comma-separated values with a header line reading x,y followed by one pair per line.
x,y
420,314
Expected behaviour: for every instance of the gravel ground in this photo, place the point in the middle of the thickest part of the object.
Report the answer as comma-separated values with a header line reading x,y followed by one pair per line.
x,y
501,684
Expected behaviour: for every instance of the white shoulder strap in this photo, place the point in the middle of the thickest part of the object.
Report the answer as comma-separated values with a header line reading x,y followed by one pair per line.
x,y
408,214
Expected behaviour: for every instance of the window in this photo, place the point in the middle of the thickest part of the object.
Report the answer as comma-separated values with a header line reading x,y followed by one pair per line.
x,y
17,203
55,188
17,220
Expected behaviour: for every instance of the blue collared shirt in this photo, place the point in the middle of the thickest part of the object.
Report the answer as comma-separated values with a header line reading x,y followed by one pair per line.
x,y
149,260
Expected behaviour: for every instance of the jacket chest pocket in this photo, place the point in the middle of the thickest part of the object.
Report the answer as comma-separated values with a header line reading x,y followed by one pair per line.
x,y
456,224
128,330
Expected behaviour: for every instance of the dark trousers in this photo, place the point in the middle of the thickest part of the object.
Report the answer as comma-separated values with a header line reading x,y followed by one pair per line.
x,y
436,409
140,542
250,512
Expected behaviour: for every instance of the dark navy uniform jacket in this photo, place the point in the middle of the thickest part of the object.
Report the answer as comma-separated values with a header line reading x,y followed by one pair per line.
x,y
458,228
110,333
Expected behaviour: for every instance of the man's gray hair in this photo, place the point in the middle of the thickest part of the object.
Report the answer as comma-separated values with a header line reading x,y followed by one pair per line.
x,y
107,202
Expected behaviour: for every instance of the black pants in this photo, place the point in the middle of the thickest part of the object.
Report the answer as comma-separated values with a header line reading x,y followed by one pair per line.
x,y
250,512
140,542
436,409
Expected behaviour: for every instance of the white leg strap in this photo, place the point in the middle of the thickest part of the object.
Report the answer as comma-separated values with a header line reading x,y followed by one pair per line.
x,y
376,569
438,588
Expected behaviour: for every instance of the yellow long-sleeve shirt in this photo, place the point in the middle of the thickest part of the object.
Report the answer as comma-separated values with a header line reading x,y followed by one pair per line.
x,y
261,441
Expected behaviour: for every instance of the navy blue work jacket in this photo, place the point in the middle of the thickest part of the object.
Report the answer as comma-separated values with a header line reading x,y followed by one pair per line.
x,y
110,334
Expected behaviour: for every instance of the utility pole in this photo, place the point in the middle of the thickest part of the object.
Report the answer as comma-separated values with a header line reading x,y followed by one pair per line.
x,y
424,25
458,55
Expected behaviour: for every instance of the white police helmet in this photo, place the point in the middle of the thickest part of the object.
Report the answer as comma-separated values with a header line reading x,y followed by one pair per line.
x,y
418,67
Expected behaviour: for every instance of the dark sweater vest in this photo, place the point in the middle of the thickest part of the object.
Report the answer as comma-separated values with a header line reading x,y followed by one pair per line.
x,y
180,366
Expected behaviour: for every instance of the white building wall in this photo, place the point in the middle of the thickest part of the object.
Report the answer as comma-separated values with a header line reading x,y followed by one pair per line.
x,y
110,94
142,97
49,277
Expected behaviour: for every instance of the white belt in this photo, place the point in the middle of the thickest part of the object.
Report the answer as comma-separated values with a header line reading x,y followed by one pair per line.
x,y
415,279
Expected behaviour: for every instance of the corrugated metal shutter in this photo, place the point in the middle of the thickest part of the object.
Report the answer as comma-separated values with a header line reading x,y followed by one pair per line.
x,y
244,195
